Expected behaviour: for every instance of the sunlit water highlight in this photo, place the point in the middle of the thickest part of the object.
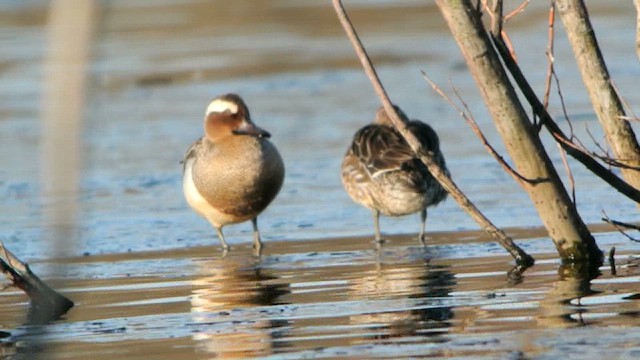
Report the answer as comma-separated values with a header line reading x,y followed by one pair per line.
x,y
147,274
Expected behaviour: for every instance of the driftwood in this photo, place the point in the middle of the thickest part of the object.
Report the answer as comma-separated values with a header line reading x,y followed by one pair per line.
x,y
46,303
518,254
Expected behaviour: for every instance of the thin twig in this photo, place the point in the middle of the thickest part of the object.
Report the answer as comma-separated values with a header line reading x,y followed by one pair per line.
x,y
590,163
522,180
550,55
579,147
517,10
620,226
561,149
628,109
567,168
603,150
551,74
607,158
563,105
577,153
497,21
620,223
629,118
493,11
509,44
468,117
426,157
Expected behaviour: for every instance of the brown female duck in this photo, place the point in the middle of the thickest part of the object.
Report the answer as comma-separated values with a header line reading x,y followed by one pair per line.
x,y
381,171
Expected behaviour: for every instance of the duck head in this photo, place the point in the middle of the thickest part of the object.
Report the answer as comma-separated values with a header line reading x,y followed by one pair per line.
x,y
382,118
228,115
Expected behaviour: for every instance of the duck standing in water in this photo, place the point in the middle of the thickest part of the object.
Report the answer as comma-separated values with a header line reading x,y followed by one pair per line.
x,y
233,172
381,171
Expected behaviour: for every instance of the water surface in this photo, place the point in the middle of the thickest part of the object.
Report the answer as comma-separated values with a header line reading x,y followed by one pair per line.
x,y
147,274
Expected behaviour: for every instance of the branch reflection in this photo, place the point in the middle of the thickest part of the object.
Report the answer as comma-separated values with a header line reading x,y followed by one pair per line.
x,y
556,309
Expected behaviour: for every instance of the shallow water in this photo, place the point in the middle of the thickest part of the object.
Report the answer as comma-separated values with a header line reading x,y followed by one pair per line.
x,y
338,298
147,274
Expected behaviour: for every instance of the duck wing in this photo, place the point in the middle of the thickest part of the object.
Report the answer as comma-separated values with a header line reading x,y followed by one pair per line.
x,y
193,149
381,149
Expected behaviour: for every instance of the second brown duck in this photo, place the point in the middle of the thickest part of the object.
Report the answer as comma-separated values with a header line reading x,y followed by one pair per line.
x,y
381,172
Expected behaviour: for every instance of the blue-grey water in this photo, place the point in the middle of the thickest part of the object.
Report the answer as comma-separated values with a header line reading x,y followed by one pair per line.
x,y
147,273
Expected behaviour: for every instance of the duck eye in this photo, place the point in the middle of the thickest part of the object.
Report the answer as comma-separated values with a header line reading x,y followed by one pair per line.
x,y
230,117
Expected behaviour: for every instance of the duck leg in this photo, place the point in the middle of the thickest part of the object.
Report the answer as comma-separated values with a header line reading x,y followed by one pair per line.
x,y
257,244
376,225
423,221
225,246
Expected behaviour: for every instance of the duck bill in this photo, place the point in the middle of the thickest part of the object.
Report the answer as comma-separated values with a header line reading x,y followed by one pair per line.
x,y
247,128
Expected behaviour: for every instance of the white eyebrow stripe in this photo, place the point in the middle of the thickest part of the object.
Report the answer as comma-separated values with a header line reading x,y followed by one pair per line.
x,y
220,105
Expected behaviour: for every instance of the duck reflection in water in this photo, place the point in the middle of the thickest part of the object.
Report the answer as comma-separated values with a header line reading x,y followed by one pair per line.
x,y
418,287
235,284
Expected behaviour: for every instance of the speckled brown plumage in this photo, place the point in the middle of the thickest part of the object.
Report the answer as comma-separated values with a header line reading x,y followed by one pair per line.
x,y
381,171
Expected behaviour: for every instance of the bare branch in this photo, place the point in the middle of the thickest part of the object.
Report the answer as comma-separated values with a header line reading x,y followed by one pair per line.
x,y
567,168
468,117
630,118
517,10
551,74
628,109
590,163
557,134
570,235
606,102
497,16
621,226
476,130
563,104
599,146
519,255
509,45
45,301
495,13
550,56
606,158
